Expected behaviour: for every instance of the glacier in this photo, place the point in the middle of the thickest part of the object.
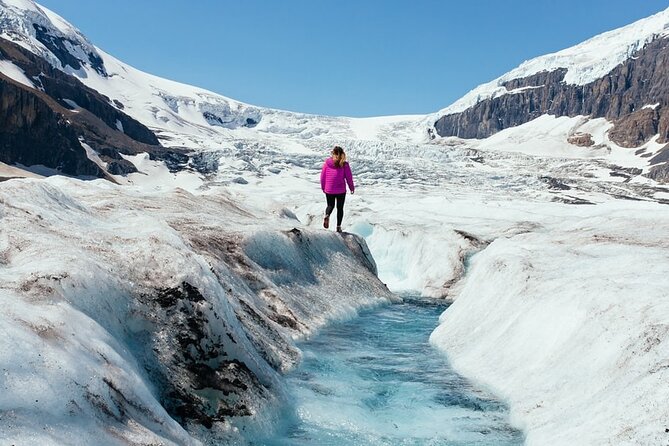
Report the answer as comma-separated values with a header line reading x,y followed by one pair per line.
x,y
164,294
121,303
568,321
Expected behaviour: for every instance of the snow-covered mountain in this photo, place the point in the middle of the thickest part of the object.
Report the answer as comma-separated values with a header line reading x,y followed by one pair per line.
x,y
159,103
583,63
619,75
49,117
182,116
179,292
600,85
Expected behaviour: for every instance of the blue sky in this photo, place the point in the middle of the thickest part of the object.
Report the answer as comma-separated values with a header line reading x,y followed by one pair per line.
x,y
345,57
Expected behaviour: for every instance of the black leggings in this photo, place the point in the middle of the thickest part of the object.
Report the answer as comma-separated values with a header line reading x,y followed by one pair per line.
x,y
340,198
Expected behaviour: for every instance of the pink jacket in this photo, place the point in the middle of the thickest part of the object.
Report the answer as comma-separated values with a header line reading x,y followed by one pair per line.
x,y
334,179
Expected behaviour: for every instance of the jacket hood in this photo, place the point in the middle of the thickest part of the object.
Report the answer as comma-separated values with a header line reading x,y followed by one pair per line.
x,y
330,163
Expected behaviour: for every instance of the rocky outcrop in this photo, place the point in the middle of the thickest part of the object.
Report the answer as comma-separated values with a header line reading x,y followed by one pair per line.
x,y
660,169
620,96
636,128
45,125
33,132
581,140
660,172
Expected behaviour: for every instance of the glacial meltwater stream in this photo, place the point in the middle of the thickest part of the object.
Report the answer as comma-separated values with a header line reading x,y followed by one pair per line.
x,y
375,380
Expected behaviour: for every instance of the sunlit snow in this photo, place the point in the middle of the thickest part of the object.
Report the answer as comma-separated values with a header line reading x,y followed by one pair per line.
x,y
554,255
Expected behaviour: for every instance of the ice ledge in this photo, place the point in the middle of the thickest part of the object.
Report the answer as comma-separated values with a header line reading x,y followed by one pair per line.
x,y
569,323
157,317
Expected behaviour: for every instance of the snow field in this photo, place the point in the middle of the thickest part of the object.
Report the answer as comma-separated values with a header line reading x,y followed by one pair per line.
x,y
15,73
562,314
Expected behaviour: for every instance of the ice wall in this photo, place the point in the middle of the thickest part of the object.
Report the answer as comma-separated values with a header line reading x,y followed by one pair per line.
x,y
414,259
568,321
423,247
139,317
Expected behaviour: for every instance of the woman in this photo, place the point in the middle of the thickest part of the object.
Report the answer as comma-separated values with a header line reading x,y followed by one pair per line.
x,y
336,173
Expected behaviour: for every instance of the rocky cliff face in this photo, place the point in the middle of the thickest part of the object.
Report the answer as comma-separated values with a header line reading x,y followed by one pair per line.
x,y
32,132
624,96
44,125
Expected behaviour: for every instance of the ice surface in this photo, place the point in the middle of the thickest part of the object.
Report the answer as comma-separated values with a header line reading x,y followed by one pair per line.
x,y
561,311
543,312
568,322
89,345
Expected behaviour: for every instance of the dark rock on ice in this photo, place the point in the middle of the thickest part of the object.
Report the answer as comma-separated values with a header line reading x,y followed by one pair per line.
x,y
206,162
554,183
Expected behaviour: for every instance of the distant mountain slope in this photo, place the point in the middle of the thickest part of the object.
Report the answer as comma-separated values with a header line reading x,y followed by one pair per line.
x,y
620,75
50,118
157,102
171,107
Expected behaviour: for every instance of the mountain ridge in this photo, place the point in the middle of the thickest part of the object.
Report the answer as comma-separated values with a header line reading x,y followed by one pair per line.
x,y
622,80
179,114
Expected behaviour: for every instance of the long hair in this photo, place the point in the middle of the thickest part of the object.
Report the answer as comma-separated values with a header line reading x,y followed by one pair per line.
x,y
338,156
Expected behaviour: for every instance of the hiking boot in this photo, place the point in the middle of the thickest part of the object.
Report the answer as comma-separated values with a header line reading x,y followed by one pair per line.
x,y
326,221
338,228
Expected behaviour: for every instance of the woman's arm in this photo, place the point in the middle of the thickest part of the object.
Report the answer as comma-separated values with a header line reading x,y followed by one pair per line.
x,y
349,177
323,176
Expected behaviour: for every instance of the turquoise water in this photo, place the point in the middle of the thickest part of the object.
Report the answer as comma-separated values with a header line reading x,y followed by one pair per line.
x,y
375,380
